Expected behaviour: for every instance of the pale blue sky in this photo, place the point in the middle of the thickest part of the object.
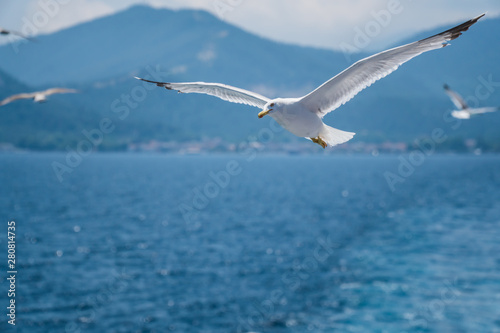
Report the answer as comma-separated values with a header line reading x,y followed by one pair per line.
x,y
321,23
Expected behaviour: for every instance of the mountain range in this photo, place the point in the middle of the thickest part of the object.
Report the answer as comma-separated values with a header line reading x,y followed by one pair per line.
x,y
101,57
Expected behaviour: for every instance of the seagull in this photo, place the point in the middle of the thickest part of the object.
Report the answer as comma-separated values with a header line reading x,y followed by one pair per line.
x,y
303,116
38,96
11,32
464,111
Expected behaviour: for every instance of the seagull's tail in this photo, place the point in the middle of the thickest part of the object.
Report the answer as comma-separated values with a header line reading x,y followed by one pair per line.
x,y
333,136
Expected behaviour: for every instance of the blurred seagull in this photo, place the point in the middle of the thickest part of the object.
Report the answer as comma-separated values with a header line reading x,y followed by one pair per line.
x,y
38,96
11,32
464,111
303,116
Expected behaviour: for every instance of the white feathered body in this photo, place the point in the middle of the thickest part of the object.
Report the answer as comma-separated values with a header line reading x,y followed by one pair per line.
x,y
461,114
300,120
295,117
40,98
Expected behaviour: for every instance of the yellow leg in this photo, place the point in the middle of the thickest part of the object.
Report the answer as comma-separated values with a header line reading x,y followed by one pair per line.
x,y
319,141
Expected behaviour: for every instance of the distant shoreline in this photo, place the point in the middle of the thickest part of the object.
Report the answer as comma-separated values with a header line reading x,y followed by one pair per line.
x,y
285,148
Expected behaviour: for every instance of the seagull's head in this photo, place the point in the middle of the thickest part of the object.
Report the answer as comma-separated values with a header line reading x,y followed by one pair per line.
x,y
268,108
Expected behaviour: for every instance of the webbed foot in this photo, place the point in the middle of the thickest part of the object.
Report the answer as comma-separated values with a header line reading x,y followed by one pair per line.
x,y
319,141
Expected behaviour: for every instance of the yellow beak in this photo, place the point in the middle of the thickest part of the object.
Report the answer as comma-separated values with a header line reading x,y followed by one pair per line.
x,y
263,113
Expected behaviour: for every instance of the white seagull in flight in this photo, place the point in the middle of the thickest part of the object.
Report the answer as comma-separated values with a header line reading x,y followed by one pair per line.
x,y
464,111
303,116
38,96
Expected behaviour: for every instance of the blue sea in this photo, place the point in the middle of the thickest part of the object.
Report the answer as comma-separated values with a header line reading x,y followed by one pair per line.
x,y
264,243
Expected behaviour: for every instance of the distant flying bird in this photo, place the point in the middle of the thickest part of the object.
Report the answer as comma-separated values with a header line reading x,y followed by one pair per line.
x,y
38,96
12,32
303,116
464,111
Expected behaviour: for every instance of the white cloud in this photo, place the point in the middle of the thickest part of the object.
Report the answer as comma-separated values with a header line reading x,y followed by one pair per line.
x,y
72,12
46,16
327,24
319,23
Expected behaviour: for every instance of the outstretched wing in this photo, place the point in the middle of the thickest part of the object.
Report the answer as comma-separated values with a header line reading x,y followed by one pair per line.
x,y
16,97
482,110
225,92
343,87
456,98
52,91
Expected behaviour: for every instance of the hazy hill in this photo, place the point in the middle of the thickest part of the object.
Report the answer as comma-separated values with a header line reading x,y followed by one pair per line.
x,y
193,42
100,58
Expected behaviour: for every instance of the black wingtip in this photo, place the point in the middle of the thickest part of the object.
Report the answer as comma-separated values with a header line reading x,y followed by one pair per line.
x,y
159,84
138,78
459,29
446,87
456,32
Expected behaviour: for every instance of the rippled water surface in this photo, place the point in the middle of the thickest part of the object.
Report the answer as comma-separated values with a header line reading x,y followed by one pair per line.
x,y
155,243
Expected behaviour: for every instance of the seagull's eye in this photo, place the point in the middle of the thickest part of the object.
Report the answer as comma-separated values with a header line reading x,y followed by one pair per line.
x,y
271,105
